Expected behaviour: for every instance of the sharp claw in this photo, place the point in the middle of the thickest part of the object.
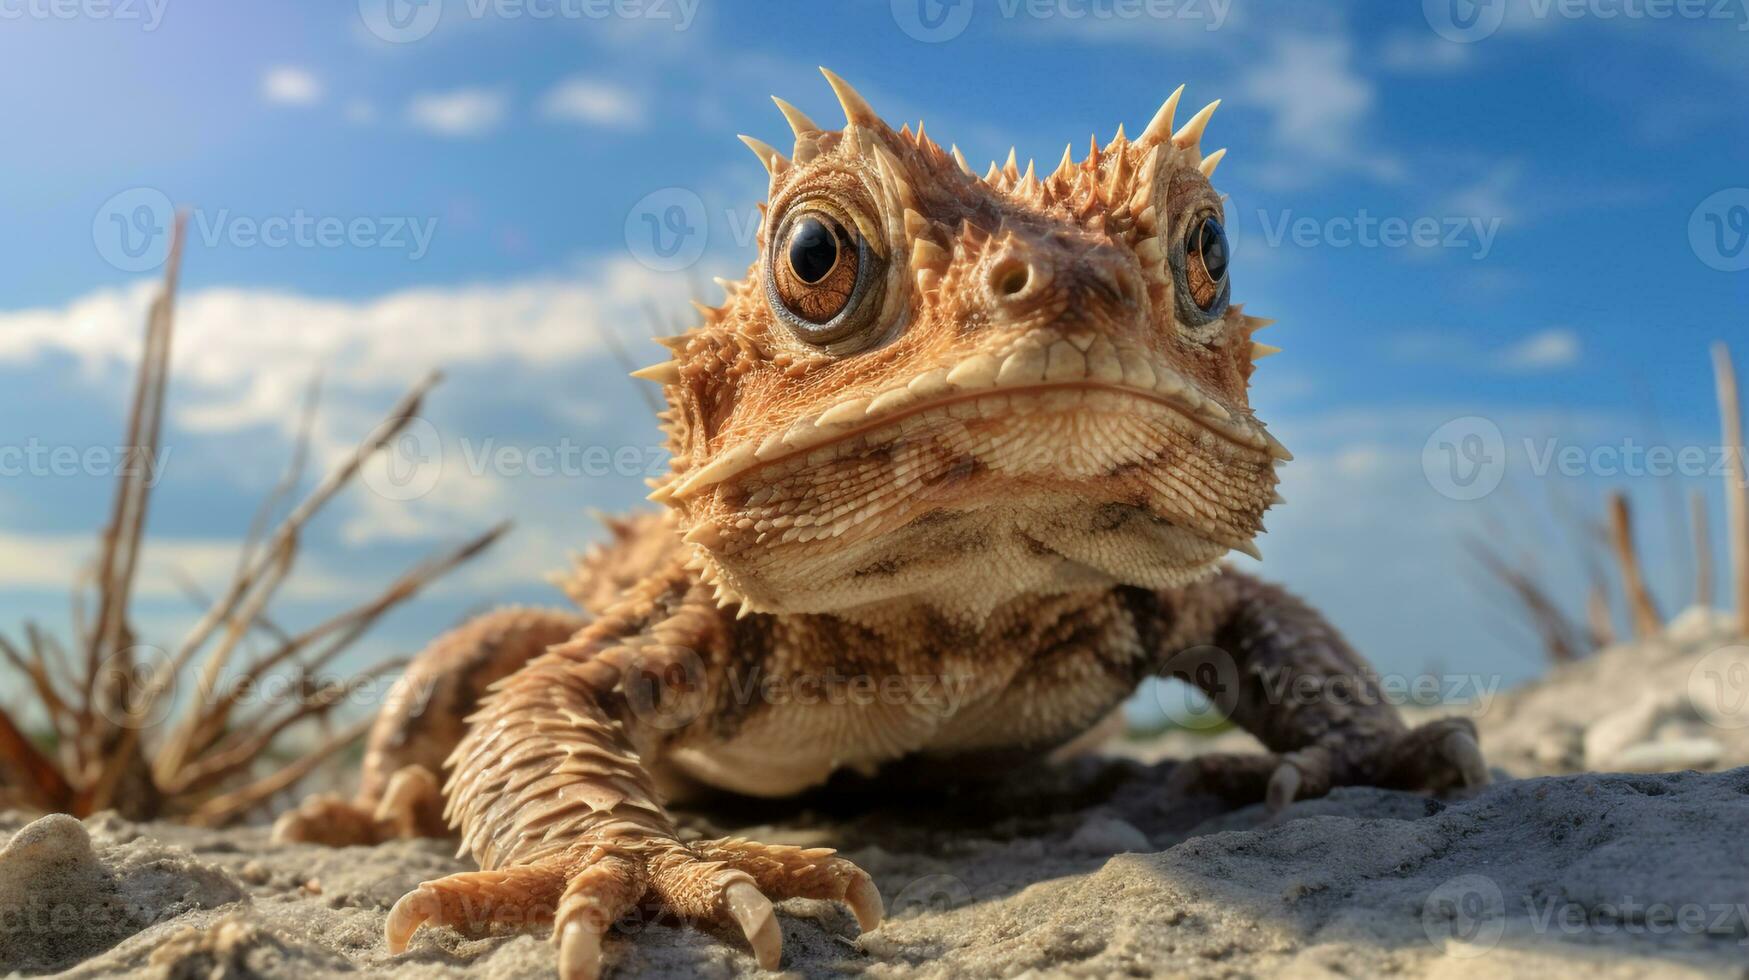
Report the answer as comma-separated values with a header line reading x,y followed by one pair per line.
x,y
753,911
289,828
865,900
415,908
1284,786
579,952
1461,750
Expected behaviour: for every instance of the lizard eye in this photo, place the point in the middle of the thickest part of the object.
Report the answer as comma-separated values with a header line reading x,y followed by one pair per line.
x,y
1202,270
818,276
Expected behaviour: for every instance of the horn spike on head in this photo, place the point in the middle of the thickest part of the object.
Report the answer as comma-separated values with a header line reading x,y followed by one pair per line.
x,y
1160,129
666,373
857,111
774,161
799,123
1191,134
1210,162
960,158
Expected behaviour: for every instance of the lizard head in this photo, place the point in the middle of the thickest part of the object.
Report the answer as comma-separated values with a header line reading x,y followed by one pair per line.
x,y
940,387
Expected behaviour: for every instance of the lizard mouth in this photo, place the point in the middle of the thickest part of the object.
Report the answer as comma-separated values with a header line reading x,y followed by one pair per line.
x,y
1060,376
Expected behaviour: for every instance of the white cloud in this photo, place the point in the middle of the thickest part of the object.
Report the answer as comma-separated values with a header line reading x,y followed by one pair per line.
x,y
584,100
1547,350
1423,54
230,378
288,85
51,562
1320,106
461,112
529,348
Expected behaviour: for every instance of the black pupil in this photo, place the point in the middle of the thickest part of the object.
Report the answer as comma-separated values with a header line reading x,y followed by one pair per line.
x,y
1211,244
812,250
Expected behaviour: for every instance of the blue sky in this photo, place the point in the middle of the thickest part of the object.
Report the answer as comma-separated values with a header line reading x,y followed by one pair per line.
x,y
472,194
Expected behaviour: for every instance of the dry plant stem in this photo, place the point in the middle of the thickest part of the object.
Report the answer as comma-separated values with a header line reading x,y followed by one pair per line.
x,y
288,482
1703,550
95,702
27,772
242,748
1736,480
34,668
221,810
1647,622
204,730
115,748
1599,621
247,594
1558,634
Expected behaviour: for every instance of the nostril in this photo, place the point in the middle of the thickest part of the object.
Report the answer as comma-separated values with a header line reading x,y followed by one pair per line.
x,y
1010,277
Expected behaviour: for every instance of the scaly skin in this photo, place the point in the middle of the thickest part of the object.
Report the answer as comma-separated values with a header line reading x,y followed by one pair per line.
x,y
953,470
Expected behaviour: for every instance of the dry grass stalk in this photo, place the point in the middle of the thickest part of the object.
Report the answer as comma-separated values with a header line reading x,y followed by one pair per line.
x,y
1736,480
1644,611
207,766
1617,532
1703,549
1560,637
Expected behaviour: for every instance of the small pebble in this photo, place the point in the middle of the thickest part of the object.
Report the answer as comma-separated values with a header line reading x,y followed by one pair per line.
x,y
1108,835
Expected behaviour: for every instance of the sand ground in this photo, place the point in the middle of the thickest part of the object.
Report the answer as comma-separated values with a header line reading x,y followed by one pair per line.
x,y
1084,869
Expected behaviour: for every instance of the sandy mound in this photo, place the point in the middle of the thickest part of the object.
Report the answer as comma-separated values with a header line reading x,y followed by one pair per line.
x,y
1679,702
1080,871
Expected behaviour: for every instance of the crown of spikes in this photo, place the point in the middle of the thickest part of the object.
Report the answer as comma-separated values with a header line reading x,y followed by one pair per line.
x,y
1115,178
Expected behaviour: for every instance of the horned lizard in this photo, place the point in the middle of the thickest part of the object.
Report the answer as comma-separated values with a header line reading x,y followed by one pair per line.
x,y
953,470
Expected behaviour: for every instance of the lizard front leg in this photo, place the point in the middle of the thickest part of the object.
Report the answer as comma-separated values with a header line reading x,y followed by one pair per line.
x,y
1312,701
553,799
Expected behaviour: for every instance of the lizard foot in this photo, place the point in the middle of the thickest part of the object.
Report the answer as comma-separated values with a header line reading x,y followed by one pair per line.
x,y
1439,755
583,892
411,806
